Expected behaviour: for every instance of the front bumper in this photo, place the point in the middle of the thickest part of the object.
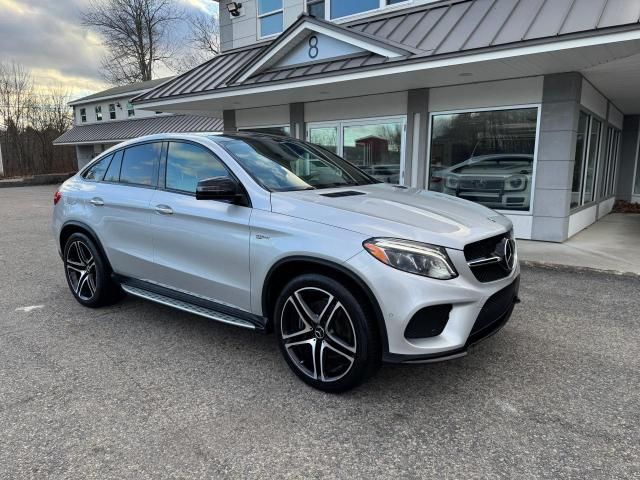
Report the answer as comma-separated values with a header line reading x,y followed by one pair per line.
x,y
477,310
495,313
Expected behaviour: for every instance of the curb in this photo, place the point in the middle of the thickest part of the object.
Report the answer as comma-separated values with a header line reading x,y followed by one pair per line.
x,y
45,179
577,269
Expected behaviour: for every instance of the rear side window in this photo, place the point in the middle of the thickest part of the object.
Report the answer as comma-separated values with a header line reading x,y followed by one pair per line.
x,y
113,173
188,163
140,164
97,170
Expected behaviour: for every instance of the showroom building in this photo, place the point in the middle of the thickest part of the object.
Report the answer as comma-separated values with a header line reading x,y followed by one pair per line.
x,y
527,106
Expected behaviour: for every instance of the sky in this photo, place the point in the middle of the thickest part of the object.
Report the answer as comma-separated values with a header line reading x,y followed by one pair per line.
x,y
46,36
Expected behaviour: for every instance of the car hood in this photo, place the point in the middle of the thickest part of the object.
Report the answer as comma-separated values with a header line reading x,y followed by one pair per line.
x,y
383,210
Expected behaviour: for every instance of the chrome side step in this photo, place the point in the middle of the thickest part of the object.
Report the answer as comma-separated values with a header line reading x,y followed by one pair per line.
x,y
187,307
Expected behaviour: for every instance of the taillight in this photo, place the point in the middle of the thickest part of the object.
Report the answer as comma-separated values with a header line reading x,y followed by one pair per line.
x,y
57,197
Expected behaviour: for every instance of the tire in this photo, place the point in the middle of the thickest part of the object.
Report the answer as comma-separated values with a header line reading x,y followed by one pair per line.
x,y
324,334
88,274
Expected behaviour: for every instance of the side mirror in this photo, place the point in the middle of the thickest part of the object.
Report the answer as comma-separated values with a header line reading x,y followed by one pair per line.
x,y
218,188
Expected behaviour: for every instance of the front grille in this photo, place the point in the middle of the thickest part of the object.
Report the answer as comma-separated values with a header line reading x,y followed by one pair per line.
x,y
486,249
495,312
480,183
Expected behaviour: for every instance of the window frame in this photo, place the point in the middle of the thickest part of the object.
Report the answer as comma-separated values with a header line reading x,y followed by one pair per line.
x,y
362,122
112,111
83,114
98,112
131,112
537,106
260,16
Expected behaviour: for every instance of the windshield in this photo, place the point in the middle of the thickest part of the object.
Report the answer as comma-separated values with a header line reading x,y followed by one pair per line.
x,y
282,164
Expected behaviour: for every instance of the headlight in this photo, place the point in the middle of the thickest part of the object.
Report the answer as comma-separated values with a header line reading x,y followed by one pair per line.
x,y
451,182
413,257
516,183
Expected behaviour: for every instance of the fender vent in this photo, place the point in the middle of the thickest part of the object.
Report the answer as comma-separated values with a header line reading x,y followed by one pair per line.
x,y
347,193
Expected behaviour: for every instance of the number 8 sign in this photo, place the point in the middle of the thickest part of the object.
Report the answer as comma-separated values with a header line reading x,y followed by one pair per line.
x,y
313,46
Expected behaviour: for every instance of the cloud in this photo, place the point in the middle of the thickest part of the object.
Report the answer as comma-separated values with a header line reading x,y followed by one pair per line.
x,y
206,6
47,37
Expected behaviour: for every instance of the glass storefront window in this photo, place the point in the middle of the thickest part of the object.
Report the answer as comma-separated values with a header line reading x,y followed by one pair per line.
x,y
581,141
376,146
486,157
587,161
376,149
326,137
607,180
592,161
613,169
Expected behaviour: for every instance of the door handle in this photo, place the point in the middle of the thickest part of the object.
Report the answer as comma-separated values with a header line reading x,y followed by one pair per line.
x,y
96,202
164,209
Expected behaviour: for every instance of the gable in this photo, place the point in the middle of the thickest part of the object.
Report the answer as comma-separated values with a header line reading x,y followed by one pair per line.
x,y
310,40
317,47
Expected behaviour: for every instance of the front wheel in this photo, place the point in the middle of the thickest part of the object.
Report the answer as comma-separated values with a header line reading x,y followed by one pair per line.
x,y
324,333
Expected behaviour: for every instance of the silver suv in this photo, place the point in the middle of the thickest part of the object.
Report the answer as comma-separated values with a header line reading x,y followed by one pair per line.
x,y
275,234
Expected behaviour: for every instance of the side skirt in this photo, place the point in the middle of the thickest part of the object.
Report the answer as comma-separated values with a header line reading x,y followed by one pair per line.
x,y
191,304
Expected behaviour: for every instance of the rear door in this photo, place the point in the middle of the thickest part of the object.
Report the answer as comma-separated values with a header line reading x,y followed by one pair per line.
x,y
201,247
123,200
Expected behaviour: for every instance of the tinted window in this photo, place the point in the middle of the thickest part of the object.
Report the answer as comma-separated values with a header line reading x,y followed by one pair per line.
x,y
139,164
96,172
113,173
188,163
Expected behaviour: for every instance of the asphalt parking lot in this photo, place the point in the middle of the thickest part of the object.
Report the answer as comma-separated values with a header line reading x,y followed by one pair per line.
x,y
142,391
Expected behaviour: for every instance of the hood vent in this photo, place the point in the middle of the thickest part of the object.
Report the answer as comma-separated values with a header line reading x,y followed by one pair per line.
x,y
346,193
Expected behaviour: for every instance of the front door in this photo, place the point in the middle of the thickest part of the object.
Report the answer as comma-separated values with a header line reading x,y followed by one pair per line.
x,y
201,247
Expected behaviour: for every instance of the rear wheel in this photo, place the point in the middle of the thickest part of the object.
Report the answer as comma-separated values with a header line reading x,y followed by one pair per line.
x,y
87,273
324,334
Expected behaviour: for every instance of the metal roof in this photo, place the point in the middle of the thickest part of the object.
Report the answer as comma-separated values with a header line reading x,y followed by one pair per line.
x,y
470,24
118,131
122,90
451,27
208,76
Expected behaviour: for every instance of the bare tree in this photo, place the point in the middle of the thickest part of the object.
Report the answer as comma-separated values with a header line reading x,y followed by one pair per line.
x,y
202,42
30,120
16,98
136,34
50,116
